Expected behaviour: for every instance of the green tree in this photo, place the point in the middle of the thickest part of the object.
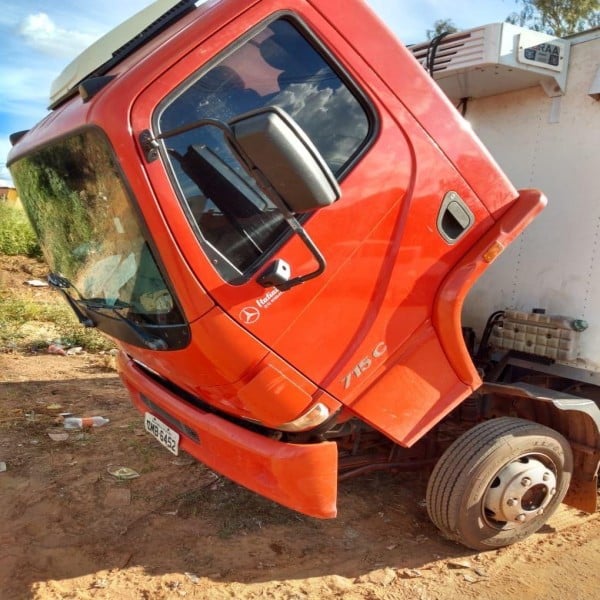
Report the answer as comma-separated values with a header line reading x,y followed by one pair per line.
x,y
441,26
557,17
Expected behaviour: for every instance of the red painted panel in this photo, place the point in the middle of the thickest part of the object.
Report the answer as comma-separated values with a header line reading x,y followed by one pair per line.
x,y
300,476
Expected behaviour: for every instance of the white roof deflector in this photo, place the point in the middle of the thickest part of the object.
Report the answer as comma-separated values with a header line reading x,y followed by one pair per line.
x,y
115,45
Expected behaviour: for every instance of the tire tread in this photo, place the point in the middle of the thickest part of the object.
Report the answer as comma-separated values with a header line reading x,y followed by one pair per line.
x,y
448,481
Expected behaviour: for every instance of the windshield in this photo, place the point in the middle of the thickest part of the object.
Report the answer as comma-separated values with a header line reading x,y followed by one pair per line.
x,y
90,233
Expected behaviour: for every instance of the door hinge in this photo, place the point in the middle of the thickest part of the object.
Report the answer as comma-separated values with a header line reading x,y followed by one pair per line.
x,y
149,145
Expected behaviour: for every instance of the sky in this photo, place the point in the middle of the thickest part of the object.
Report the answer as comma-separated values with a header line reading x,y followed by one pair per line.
x,y
40,37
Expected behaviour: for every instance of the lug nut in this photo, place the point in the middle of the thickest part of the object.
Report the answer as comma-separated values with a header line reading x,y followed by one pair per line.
x,y
546,476
521,518
525,482
511,502
540,512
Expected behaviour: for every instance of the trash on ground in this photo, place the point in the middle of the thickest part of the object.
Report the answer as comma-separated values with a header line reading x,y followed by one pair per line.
x,y
123,472
56,349
75,350
84,422
36,283
2,466
58,436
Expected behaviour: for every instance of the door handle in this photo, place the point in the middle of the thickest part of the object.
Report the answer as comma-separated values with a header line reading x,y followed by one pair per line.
x,y
454,218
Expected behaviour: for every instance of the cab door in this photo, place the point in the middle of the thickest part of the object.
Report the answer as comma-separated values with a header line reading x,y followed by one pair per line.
x,y
385,243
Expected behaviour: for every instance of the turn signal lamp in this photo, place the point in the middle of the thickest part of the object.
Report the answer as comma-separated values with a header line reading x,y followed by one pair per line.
x,y
315,415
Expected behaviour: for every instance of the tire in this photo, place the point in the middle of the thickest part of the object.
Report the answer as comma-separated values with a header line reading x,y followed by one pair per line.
x,y
499,482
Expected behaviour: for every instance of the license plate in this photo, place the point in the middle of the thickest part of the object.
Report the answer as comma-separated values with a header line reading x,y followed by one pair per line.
x,y
162,432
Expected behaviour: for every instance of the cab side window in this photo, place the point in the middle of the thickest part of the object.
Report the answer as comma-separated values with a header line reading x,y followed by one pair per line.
x,y
234,222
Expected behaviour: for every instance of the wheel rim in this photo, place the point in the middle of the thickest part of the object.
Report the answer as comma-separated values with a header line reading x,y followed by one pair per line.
x,y
520,492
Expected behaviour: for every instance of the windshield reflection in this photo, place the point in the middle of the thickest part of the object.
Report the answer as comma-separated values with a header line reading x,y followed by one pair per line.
x,y
88,229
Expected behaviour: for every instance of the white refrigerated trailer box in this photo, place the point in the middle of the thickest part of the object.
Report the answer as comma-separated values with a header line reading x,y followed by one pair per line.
x,y
534,101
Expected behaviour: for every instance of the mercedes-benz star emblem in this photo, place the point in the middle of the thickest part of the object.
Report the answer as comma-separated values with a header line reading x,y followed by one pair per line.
x,y
249,315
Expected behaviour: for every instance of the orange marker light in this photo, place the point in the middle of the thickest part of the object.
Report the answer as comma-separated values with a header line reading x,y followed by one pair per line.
x,y
492,252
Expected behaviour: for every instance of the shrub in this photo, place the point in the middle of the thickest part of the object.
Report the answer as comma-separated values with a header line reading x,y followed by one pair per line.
x,y
29,323
16,234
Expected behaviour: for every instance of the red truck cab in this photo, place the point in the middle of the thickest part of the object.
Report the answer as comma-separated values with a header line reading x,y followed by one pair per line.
x,y
265,331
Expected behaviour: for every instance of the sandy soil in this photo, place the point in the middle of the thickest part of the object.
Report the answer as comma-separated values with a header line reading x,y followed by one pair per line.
x,y
70,529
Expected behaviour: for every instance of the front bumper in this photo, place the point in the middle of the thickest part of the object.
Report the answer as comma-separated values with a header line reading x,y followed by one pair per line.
x,y
302,477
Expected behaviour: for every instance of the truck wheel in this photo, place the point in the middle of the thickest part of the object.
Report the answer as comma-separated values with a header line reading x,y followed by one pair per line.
x,y
499,482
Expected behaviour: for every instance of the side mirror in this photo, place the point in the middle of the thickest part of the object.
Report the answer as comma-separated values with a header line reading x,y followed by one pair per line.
x,y
282,160
287,159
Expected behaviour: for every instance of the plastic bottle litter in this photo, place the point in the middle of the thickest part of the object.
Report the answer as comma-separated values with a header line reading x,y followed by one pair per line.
x,y
36,283
83,422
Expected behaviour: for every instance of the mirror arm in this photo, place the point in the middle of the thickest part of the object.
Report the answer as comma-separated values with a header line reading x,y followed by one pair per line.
x,y
301,232
150,146
296,227
188,127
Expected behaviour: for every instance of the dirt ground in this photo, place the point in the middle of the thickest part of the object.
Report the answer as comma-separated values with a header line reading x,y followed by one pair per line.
x,y
71,529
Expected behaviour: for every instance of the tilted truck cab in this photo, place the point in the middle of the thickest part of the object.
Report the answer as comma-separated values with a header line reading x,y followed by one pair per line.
x,y
277,215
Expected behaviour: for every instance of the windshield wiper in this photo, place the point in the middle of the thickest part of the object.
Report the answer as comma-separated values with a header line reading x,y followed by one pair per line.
x,y
152,342
62,284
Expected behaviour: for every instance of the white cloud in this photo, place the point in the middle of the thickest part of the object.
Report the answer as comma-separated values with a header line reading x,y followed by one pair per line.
x,y
330,115
38,24
42,34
